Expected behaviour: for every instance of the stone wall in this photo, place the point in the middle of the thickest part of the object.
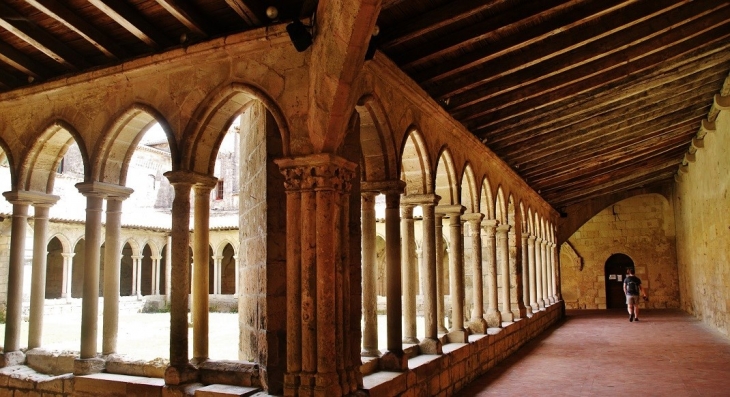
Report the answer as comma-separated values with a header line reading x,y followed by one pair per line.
x,y
640,227
703,229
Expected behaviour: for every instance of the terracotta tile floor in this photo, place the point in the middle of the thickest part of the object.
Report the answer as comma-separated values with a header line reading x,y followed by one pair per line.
x,y
601,353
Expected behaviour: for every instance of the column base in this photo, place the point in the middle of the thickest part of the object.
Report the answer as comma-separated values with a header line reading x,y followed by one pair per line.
x,y
327,384
478,325
528,311
458,336
541,304
370,353
88,366
177,375
431,346
508,317
394,361
494,319
411,340
12,358
535,307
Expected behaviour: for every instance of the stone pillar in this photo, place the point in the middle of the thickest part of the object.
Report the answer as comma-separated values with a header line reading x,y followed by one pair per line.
x,y
156,274
112,263
408,268
526,274
457,333
550,279
430,344
503,258
237,275
494,316
168,269
477,323
553,271
533,271
41,206
320,357
369,276
539,273
67,274
439,236
137,275
544,271
515,274
13,315
556,259
201,263
394,359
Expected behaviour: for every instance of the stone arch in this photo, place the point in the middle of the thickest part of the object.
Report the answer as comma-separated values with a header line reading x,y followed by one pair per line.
x,y
211,121
572,258
415,163
56,246
154,248
134,245
381,287
486,200
500,207
469,192
65,242
222,246
116,147
446,184
38,167
7,156
379,162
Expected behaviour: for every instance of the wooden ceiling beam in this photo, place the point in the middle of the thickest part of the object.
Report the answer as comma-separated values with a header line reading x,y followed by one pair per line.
x,y
19,61
18,25
247,11
538,96
537,31
560,200
68,18
8,81
573,48
186,15
133,21
649,54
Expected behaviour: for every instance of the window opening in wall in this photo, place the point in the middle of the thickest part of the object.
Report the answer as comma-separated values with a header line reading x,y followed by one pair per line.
x,y
60,166
219,190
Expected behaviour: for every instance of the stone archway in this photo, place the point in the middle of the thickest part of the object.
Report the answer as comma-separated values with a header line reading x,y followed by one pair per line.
x,y
614,273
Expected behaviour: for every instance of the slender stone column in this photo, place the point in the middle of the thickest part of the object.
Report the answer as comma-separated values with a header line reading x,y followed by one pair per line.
x,y
137,275
408,267
539,273
494,316
201,263
551,279
67,274
156,264
395,359
457,333
38,272
477,323
526,274
556,267
369,276
545,280
217,276
533,272
515,274
168,268
13,315
112,263
439,235
503,255
430,344
237,275
553,271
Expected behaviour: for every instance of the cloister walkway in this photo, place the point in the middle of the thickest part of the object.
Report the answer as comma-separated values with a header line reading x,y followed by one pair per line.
x,y
600,353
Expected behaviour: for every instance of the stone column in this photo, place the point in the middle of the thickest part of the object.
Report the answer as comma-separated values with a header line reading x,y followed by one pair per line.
x,y
494,316
553,270
168,268
394,359
477,323
526,273
237,275
439,236
217,276
156,282
369,276
13,315
503,256
320,338
539,273
515,274
67,274
550,279
556,267
544,271
180,371
457,333
408,268
41,206
201,263
430,344
137,275
533,272
112,263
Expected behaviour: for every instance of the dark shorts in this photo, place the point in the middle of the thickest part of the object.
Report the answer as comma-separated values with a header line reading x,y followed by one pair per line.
x,y
632,299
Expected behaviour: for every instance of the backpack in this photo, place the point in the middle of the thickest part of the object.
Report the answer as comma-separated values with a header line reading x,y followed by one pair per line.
x,y
632,287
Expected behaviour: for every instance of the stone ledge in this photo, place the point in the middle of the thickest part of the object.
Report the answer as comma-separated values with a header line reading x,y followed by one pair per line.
x,y
225,391
113,385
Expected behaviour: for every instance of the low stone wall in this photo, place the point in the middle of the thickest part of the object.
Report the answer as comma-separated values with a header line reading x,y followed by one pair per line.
x,y
461,363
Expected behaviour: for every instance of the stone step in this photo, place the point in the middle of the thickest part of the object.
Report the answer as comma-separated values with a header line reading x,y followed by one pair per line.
x,y
225,391
113,385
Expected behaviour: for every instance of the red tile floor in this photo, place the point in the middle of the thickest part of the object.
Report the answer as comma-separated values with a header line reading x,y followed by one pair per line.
x,y
601,353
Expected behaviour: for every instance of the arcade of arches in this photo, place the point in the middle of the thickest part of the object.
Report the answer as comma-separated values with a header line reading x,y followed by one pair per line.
x,y
352,184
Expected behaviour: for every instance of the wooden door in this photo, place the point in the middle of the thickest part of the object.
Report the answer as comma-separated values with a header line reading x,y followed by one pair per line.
x,y
615,272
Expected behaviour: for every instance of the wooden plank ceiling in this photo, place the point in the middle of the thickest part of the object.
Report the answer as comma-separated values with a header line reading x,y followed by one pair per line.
x,y
582,98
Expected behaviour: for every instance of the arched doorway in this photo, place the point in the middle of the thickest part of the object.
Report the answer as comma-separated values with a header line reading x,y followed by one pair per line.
x,y
615,272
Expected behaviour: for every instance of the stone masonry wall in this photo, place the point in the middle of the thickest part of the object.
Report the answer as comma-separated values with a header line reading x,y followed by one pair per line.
x,y
703,229
641,227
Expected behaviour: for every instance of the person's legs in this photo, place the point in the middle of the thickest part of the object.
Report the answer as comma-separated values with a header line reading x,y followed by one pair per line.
x,y
636,311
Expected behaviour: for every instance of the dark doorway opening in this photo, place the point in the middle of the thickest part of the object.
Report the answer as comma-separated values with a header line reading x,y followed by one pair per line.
x,y
615,272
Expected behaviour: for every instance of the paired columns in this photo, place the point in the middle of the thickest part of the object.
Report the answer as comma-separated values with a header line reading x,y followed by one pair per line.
x,y
477,323
458,332
494,316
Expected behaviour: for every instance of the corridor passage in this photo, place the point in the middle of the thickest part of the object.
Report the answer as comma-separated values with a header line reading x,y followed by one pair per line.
x,y
601,353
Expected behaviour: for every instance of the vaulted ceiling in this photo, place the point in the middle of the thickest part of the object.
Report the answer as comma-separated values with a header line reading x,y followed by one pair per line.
x,y
582,98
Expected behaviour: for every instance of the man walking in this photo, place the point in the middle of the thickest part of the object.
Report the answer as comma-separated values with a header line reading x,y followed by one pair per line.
x,y
632,289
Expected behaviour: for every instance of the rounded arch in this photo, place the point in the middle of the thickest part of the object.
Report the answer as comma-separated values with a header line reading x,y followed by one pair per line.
x,y
469,192
38,167
500,207
523,218
486,202
211,120
116,147
134,245
7,156
379,161
415,163
445,181
530,222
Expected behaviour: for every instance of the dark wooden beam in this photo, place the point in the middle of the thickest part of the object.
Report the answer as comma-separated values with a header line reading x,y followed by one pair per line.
x,y
185,14
247,11
133,21
19,61
8,81
59,12
573,47
18,25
